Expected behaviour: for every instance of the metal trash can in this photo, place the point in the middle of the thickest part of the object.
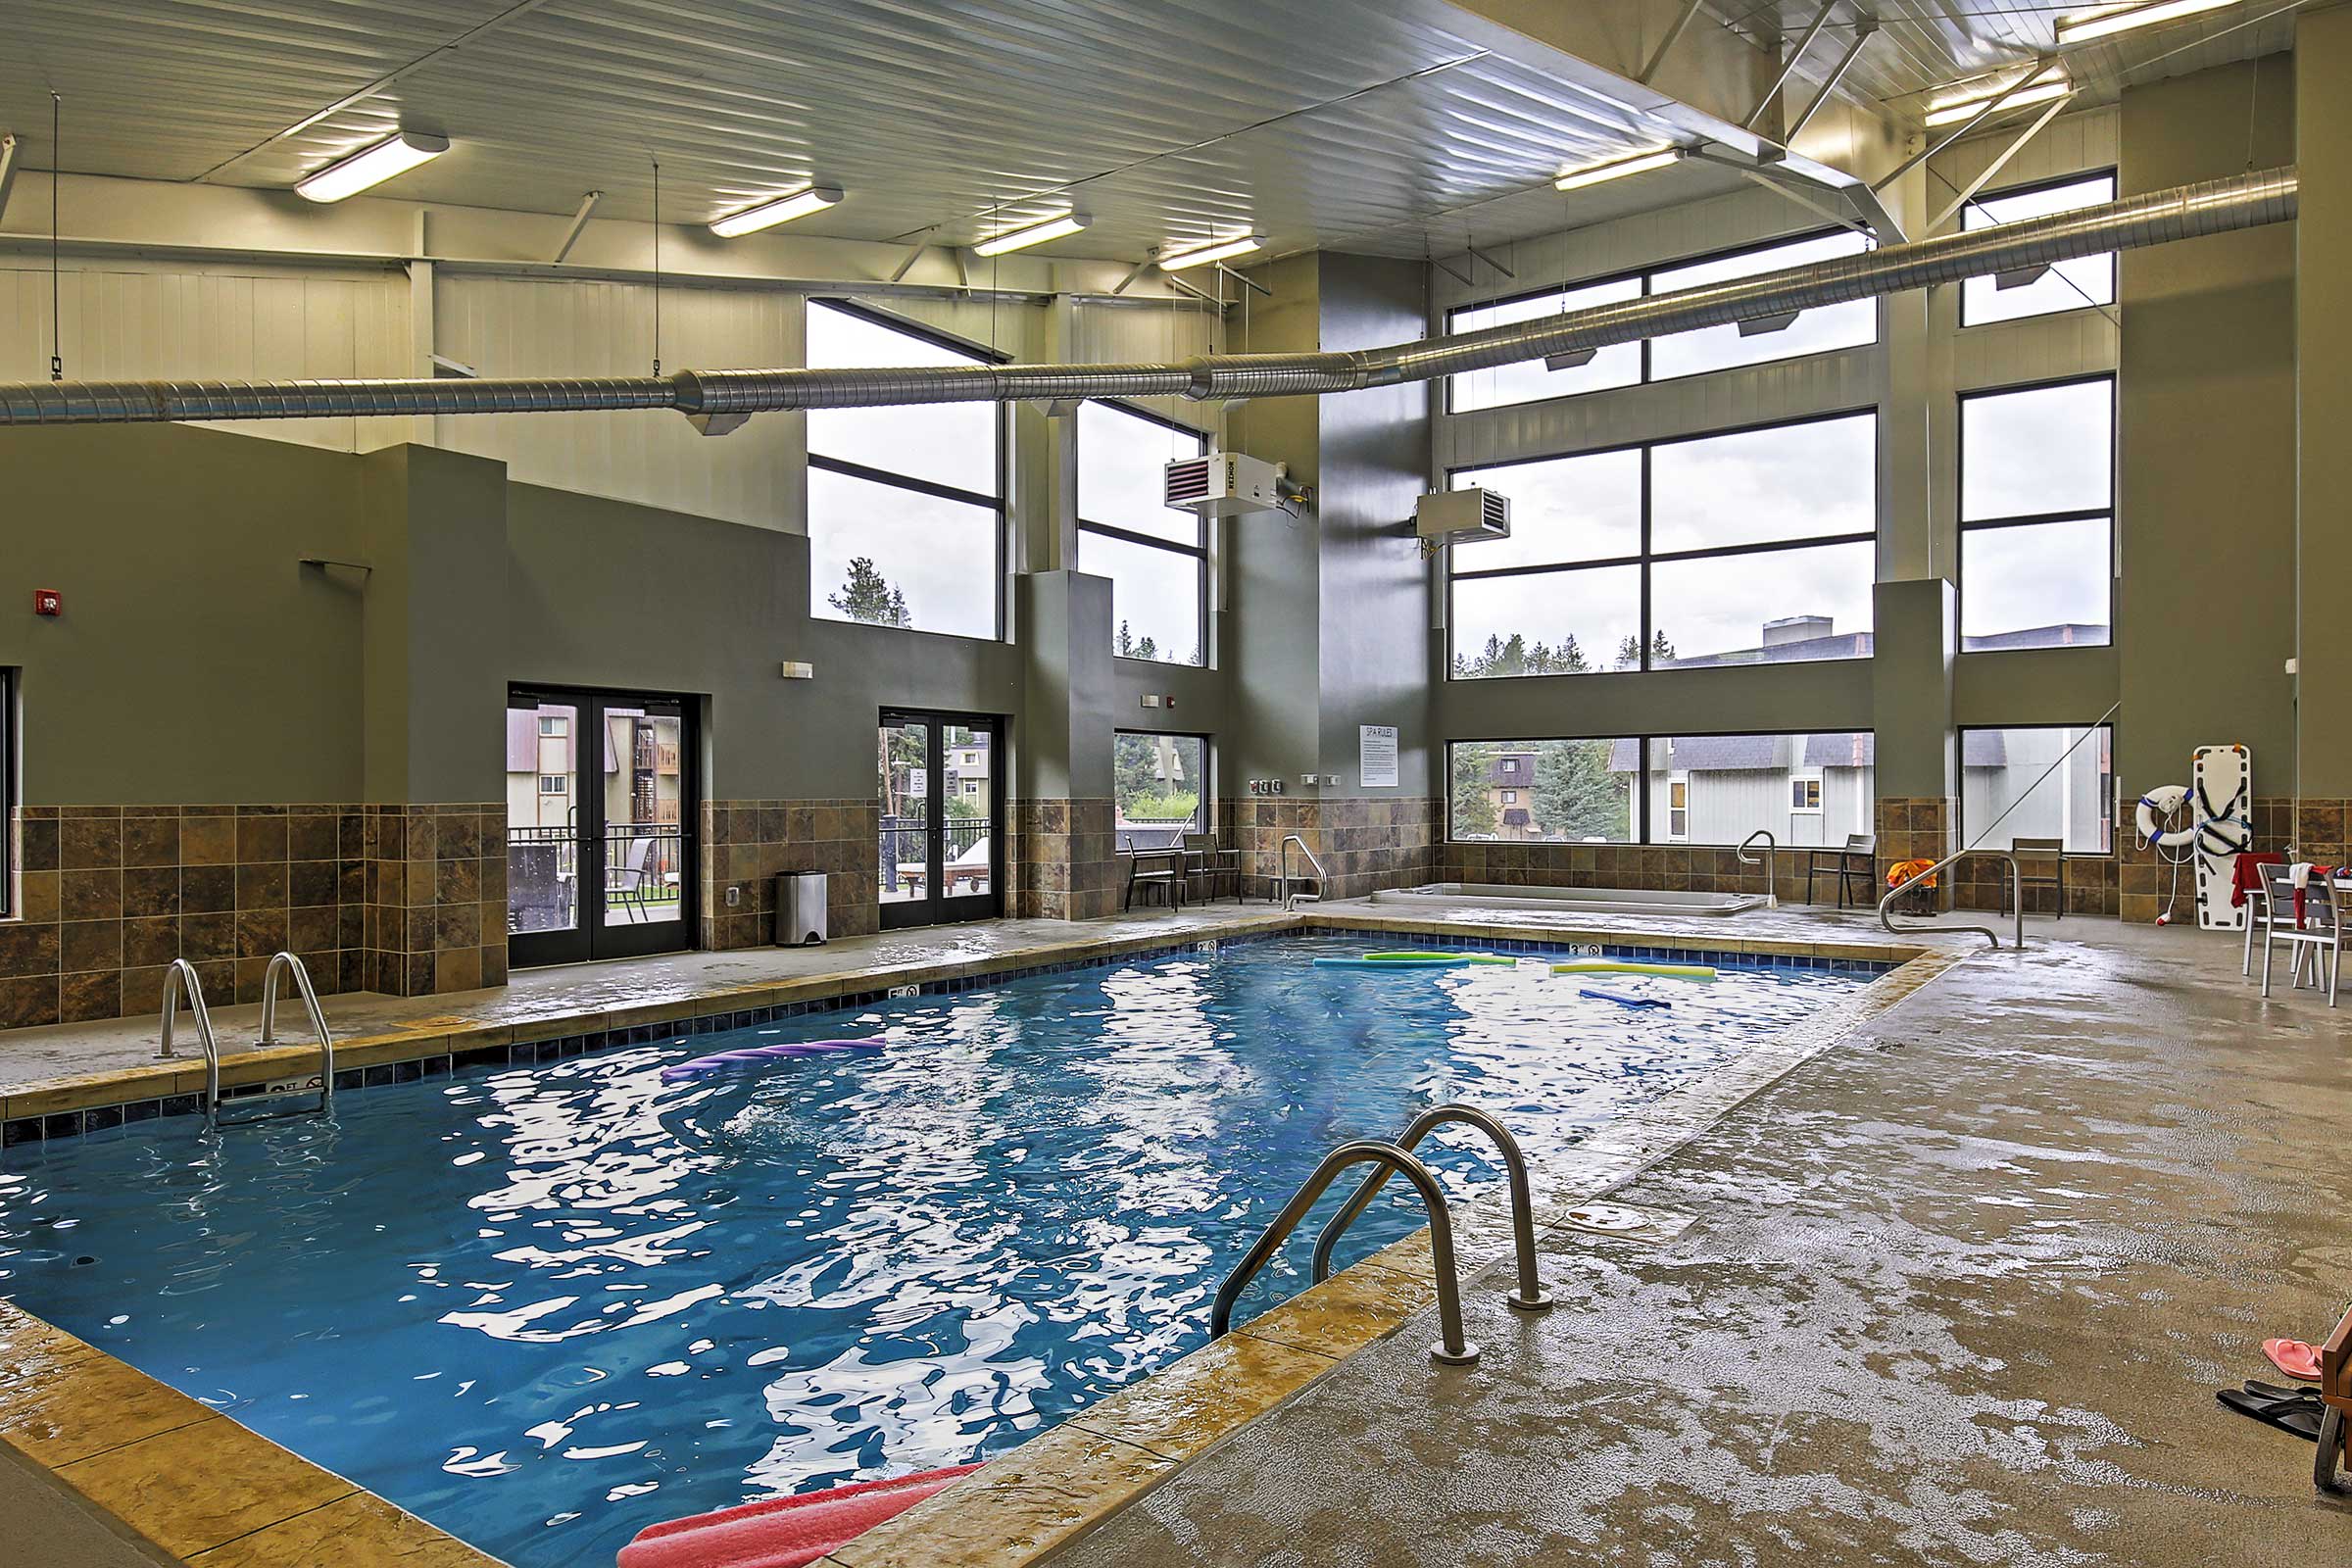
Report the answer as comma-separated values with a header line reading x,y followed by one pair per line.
x,y
800,908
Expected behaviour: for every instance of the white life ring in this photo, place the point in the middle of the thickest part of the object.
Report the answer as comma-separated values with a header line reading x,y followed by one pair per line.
x,y
2156,807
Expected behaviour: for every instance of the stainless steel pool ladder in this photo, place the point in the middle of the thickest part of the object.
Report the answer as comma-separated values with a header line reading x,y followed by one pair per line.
x,y
181,980
1451,1348
2017,890
1292,900
1530,1296
1772,899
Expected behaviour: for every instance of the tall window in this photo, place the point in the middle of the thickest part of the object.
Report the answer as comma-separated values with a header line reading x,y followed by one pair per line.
x,y
2071,285
1803,789
2036,515
1752,547
1159,788
905,505
2002,770
1155,557
1816,331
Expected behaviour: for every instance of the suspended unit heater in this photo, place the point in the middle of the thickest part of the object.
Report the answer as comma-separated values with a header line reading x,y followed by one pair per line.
x,y
1456,516
1224,483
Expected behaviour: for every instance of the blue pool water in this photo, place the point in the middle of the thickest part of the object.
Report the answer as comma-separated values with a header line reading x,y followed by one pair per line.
x,y
546,1306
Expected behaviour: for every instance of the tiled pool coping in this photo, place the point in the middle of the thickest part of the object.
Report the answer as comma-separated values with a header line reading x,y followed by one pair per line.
x,y
201,1487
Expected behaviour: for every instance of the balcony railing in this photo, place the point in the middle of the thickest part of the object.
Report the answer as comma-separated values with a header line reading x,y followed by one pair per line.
x,y
904,844
645,873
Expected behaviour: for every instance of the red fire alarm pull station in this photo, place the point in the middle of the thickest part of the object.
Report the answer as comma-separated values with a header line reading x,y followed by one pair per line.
x,y
48,602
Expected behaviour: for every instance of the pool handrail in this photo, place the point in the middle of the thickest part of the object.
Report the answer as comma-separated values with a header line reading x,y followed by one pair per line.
x,y
281,965
180,977
2017,891
1452,1349
1320,877
1772,899
1530,1296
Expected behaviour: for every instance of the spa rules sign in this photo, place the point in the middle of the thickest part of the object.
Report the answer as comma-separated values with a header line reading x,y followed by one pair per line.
x,y
1376,756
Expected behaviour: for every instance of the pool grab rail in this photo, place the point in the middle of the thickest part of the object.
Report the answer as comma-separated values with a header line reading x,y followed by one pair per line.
x,y
1530,1296
181,980
1772,899
1289,898
273,982
1452,1349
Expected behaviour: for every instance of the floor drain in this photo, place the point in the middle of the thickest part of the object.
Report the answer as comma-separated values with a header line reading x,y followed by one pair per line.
x,y
1608,1218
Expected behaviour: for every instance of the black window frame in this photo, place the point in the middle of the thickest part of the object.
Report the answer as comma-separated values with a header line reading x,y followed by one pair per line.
x,y
1000,503
1198,549
2107,794
1963,526
2110,174
1642,838
1209,761
1647,559
1646,274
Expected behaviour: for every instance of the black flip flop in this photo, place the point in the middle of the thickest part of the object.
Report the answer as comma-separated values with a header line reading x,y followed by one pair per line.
x,y
2298,1416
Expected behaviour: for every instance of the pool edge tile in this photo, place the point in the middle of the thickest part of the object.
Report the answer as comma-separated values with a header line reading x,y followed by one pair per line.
x,y
1021,1505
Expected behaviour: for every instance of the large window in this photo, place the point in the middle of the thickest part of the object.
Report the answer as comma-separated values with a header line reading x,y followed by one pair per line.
x,y
1159,788
1750,547
2001,770
2036,515
2069,285
1693,789
905,505
1719,348
1155,555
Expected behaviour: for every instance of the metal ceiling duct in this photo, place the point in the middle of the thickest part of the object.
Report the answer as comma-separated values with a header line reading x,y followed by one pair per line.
x,y
2186,211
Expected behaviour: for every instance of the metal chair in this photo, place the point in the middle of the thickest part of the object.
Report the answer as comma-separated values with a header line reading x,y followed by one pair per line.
x,y
2315,934
1209,862
1156,870
2040,852
1858,861
626,883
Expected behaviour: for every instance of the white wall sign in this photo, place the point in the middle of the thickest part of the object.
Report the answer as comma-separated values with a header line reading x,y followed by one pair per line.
x,y
1376,759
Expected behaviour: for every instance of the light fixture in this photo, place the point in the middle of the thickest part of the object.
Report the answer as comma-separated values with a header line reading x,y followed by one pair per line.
x,y
1016,239
396,154
2088,24
1639,163
1214,251
781,210
2039,91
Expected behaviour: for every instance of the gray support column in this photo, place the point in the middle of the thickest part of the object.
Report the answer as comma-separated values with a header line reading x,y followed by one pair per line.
x,y
1911,694
2323,63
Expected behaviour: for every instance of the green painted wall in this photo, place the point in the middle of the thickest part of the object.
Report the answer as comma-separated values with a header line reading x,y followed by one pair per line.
x,y
2206,441
197,660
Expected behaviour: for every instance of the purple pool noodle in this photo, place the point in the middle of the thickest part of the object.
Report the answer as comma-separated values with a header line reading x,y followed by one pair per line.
x,y
756,1054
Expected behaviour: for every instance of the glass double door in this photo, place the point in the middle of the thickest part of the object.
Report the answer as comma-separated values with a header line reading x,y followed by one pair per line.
x,y
602,802
940,784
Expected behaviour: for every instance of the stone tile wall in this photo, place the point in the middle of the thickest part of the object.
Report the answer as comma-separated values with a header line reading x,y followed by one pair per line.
x,y
1065,861
748,844
110,895
1672,868
1364,842
2320,831
435,897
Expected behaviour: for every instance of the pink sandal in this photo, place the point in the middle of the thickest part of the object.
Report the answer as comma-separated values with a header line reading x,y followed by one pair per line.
x,y
2295,1358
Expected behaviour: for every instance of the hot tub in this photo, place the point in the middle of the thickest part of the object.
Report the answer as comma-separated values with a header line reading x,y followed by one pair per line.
x,y
1580,901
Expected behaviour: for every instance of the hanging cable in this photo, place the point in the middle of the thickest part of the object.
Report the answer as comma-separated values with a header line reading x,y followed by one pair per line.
x,y
57,342
657,266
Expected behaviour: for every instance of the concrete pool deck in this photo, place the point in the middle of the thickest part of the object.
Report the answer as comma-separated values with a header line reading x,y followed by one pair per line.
x,y
1957,1291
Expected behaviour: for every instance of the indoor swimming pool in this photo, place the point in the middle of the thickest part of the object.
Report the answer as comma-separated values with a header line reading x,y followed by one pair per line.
x,y
546,1307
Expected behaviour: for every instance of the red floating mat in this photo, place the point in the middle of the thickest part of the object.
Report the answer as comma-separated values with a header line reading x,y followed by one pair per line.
x,y
784,1532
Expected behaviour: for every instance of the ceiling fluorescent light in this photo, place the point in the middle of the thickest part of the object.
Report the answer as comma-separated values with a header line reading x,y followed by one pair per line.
x,y
2041,92
1640,164
1016,239
782,210
2082,27
1214,251
394,155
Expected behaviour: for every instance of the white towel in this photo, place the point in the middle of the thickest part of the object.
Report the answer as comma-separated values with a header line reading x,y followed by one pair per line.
x,y
2298,875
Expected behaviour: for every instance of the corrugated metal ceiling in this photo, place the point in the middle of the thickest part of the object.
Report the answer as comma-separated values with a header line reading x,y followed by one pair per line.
x,y
1320,123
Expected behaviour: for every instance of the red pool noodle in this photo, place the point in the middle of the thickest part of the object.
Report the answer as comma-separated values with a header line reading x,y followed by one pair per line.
x,y
784,1532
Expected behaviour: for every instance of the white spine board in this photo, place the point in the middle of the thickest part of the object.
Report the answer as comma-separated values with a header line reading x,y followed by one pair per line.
x,y
2220,799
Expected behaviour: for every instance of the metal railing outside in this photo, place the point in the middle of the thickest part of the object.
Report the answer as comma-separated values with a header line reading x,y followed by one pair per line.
x,y
905,842
1451,1348
543,872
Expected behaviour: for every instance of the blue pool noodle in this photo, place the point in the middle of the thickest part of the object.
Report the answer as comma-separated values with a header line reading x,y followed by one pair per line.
x,y
1621,1000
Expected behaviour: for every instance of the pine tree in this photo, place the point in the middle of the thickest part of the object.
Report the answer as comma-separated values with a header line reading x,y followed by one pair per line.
x,y
1473,806
867,596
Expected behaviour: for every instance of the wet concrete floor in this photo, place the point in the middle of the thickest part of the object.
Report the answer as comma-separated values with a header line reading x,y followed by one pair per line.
x,y
1957,1292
